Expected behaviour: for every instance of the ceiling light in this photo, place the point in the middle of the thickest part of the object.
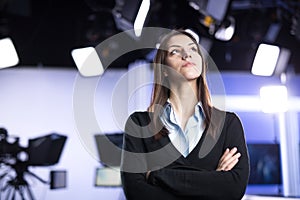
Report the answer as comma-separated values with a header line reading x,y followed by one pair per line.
x,y
226,29
131,15
87,61
8,53
274,99
193,33
141,17
265,60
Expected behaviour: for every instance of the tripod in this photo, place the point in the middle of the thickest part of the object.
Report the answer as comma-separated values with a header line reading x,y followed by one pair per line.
x,y
17,186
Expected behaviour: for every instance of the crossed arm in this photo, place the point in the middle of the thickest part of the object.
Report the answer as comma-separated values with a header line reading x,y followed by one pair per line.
x,y
227,181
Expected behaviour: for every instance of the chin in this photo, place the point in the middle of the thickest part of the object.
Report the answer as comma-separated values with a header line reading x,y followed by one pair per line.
x,y
191,76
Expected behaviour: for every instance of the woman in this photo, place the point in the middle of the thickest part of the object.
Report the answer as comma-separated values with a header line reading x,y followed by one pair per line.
x,y
183,147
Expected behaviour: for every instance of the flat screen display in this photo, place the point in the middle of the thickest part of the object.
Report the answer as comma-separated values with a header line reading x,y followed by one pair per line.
x,y
107,176
58,179
109,147
265,166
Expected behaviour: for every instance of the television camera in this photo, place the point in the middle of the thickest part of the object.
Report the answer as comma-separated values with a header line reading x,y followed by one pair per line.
x,y
15,161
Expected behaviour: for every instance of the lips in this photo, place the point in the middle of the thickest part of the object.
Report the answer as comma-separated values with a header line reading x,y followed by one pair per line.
x,y
187,64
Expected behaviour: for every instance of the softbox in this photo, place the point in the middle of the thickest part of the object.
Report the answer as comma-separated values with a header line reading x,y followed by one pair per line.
x,y
45,150
109,148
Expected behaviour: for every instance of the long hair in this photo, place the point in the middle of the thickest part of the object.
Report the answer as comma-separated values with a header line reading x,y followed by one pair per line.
x,y
161,91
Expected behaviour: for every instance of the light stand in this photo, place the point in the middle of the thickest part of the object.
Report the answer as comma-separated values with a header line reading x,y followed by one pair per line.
x,y
42,151
18,185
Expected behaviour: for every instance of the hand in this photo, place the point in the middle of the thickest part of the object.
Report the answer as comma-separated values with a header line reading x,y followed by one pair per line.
x,y
228,160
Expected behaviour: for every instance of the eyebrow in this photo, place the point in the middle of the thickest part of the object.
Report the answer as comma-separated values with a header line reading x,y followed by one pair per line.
x,y
175,45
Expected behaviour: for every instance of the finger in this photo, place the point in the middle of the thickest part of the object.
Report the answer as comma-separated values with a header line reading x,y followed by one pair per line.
x,y
227,155
231,162
231,165
231,153
224,155
230,159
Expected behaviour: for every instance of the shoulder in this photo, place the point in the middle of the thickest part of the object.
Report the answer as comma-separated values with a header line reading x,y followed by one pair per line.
x,y
226,120
232,117
138,114
232,123
229,115
139,124
140,117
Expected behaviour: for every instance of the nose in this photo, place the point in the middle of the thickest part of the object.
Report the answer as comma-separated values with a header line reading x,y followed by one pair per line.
x,y
186,54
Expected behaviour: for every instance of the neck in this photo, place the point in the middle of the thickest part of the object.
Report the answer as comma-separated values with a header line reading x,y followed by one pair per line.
x,y
184,97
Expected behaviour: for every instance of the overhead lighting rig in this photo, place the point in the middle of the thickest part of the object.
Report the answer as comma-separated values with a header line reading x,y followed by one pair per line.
x,y
213,15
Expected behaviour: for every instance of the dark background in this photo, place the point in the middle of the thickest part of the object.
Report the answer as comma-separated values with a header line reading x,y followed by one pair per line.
x,y
45,31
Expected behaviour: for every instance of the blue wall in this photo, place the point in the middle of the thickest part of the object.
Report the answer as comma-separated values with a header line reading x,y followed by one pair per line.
x,y
259,127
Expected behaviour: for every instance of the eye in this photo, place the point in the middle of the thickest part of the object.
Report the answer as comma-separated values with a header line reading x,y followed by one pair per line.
x,y
194,49
174,51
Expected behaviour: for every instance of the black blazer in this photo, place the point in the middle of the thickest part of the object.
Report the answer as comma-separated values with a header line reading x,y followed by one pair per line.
x,y
176,177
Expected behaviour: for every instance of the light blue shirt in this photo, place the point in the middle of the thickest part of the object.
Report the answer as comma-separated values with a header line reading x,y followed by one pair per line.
x,y
184,140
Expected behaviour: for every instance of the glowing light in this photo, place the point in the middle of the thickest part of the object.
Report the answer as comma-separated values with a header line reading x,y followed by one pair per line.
x,y
265,60
195,35
87,61
225,32
141,17
274,99
8,53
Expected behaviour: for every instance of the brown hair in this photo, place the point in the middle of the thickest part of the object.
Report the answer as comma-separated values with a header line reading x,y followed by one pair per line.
x,y
161,91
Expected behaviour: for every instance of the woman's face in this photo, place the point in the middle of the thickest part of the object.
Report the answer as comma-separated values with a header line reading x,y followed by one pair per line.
x,y
183,58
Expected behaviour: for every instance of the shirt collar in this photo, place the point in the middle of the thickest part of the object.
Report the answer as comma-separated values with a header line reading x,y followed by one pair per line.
x,y
167,116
